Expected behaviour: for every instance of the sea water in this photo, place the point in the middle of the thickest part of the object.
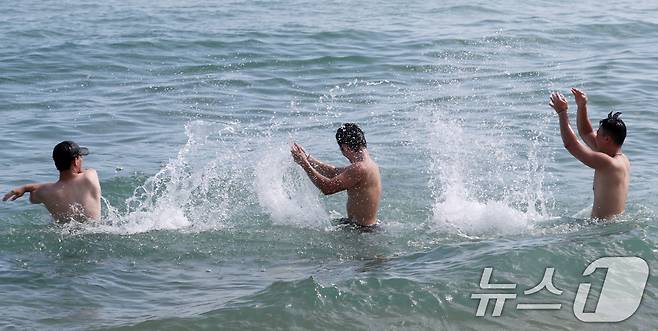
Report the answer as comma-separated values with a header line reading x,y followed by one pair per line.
x,y
189,107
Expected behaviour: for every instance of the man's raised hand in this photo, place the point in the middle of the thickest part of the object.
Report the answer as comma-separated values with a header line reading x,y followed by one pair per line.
x,y
298,154
581,97
558,102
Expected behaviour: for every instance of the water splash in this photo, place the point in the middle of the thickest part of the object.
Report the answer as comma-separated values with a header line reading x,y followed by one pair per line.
x,y
480,187
284,191
213,183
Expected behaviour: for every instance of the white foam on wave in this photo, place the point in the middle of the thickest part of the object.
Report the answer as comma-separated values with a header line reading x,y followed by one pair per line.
x,y
190,191
470,217
163,217
284,191
481,187
218,179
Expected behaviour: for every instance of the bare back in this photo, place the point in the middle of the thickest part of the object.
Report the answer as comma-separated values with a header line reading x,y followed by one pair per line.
x,y
77,198
611,188
363,199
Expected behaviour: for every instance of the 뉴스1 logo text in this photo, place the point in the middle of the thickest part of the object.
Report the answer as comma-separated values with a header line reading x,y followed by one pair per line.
x,y
625,280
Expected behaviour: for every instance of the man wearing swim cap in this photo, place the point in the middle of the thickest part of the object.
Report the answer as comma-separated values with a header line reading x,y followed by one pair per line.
x,y
77,193
603,153
360,179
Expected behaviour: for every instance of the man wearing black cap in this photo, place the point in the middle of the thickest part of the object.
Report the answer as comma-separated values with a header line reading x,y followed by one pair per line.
x,y
77,193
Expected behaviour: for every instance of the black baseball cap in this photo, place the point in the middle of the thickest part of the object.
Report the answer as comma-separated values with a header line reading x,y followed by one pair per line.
x,y
65,152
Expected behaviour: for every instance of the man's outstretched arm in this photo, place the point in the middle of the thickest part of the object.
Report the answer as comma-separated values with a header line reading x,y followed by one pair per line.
x,y
585,155
585,129
19,191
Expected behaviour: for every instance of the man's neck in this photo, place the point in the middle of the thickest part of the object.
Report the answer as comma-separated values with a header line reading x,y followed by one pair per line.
x,y
613,151
358,156
68,174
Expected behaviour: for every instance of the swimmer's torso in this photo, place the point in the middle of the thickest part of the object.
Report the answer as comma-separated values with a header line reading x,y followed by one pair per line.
x,y
76,199
363,200
611,188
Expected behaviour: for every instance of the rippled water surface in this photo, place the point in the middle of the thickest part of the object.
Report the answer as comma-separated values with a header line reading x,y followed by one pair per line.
x,y
188,108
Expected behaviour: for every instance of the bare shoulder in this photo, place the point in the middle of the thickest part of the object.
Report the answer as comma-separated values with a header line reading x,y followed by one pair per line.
x,y
624,162
91,173
617,164
42,192
45,188
370,166
362,166
358,169
92,176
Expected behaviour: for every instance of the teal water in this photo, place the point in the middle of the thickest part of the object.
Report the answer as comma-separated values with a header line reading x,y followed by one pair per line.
x,y
189,106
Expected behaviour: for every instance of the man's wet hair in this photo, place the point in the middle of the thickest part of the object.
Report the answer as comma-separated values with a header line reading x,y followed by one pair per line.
x,y
351,135
614,127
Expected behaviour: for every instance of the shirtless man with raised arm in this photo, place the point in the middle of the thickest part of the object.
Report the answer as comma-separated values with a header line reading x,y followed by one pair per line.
x,y
77,193
361,178
603,153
